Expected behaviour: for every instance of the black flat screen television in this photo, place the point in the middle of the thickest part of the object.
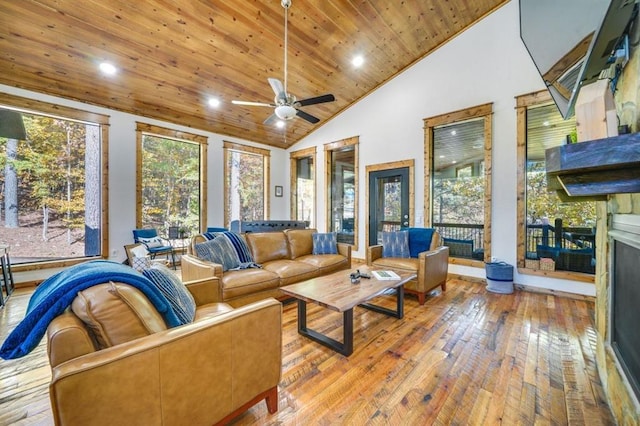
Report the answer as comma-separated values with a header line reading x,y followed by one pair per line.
x,y
570,41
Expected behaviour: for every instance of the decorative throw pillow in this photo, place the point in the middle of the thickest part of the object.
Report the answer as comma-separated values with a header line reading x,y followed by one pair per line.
x,y
151,242
139,251
325,243
140,263
174,290
240,245
219,250
419,240
395,244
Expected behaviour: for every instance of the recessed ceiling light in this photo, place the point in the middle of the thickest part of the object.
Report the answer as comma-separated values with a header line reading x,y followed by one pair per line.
x,y
108,68
453,133
442,156
358,61
545,123
454,162
214,102
280,124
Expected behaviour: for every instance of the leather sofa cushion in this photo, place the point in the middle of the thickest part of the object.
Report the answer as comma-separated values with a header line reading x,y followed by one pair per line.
x,y
247,281
267,246
291,271
410,264
325,263
300,241
116,313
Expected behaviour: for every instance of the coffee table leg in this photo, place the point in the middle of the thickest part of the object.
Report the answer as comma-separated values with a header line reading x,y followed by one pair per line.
x,y
398,313
345,347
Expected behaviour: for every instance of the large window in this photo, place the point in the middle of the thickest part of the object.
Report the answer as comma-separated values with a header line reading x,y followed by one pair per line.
x,y
458,182
52,182
549,227
171,184
341,165
246,194
303,186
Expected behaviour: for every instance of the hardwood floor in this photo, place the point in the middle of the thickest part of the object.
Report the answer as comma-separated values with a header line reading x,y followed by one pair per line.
x,y
466,357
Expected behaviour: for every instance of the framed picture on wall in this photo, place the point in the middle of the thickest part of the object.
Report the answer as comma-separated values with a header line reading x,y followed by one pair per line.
x,y
278,191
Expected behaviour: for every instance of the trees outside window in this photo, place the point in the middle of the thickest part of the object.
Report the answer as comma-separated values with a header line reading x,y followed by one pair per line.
x,y
51,184
171,180
246,171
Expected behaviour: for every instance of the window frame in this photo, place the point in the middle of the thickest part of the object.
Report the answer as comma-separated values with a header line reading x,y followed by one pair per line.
x,y
32,106
228,147
524,102
484,111
163,132
293,195
328,149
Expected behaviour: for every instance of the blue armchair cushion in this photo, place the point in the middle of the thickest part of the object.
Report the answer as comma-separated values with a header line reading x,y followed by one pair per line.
x,y
325,243
419,240
174,290
395,244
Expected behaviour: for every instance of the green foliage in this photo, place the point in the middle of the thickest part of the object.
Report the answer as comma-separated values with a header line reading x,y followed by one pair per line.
x,y
170,184
459,200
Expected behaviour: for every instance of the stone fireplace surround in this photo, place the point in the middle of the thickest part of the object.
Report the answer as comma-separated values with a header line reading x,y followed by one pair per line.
x,y
621,398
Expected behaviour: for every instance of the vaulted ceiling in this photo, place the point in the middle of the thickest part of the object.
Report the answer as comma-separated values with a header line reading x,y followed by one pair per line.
x,y
172,56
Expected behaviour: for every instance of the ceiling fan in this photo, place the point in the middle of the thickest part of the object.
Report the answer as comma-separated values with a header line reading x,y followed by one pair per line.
x,y
285,105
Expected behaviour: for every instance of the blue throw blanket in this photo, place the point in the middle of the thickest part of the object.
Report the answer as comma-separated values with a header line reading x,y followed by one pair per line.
x,y
55,294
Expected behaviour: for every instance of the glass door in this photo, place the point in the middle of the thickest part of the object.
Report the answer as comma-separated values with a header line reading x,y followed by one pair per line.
x,y
388,202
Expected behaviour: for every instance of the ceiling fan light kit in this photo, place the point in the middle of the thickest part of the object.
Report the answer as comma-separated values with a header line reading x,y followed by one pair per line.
x,y
286,106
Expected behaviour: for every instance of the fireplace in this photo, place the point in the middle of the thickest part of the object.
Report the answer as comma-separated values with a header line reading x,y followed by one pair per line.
x,y
624,310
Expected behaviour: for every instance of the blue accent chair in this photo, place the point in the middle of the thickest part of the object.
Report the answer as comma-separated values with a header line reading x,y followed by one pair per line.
x,y
165,248
216,229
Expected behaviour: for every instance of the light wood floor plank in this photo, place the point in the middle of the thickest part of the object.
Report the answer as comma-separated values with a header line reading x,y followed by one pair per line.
x,y
466,357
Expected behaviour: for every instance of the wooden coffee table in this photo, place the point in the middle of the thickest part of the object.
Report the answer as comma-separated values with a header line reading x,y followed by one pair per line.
x,y
336,292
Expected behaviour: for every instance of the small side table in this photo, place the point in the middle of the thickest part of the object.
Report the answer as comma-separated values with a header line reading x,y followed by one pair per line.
x,y
6,276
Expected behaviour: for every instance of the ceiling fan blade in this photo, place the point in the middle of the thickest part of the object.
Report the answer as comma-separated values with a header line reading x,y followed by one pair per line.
x,y
317,100
310,118
277,87
251,103
271,120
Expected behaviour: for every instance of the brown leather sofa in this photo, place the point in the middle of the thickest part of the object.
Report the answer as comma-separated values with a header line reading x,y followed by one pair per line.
x,y
285,256
431,267
114,361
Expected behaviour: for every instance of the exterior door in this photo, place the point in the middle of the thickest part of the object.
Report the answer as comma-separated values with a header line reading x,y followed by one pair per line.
x,y
388,202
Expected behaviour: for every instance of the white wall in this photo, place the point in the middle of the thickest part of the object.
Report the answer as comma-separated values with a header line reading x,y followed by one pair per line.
x,y
487,63
122,170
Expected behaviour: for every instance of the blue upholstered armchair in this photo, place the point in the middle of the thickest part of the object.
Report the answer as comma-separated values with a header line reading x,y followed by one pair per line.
x,y
155,244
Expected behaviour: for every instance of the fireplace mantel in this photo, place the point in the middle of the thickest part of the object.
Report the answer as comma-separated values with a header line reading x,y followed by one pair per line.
x,y
592,170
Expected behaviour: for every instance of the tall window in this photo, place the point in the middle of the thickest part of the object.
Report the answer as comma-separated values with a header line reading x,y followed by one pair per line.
x,y
341,165
458,188
171,184
246,194
549,227
303,185
52,177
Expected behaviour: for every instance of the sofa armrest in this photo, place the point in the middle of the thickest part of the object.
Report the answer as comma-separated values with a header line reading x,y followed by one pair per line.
x,y
345,250
194,268
205,291
433,270
223,362
373,253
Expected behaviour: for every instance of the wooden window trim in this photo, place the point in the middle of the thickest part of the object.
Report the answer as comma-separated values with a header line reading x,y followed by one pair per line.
x,y
524,102
266,155
484,111
45,108
149,129
332,146
293,183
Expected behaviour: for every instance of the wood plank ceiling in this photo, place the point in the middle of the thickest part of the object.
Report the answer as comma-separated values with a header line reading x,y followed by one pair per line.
x,y
173,56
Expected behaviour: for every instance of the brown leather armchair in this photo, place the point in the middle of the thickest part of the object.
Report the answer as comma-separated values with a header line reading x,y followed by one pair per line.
x,y
115,362
431,267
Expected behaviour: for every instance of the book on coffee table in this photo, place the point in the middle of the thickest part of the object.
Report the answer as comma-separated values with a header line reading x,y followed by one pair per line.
x,y
385,275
